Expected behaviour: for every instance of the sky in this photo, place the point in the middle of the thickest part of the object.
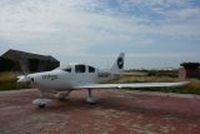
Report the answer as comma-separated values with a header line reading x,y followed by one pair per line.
x,y
152,33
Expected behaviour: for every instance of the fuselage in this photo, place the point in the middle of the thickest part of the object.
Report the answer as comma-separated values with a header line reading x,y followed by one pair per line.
x,y
69,77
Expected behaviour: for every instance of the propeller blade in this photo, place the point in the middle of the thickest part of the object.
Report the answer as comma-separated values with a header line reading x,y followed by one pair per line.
x,y
22,79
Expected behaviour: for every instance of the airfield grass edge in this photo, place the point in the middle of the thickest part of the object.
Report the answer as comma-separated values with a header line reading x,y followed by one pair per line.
x,y
192,88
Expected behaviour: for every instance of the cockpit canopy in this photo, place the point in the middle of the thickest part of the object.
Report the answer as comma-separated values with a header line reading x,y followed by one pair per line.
x,y
79,68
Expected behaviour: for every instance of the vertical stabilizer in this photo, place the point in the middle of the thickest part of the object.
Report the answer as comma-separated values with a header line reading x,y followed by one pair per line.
x,y
118,65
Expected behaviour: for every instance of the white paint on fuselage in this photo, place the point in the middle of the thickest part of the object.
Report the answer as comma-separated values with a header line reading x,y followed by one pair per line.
x,y
58,79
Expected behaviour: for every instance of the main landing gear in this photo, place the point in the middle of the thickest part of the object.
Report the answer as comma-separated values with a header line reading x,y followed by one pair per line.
x,y
91,99
63,95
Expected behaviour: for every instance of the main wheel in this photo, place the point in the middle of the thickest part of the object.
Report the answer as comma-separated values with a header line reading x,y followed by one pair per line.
x,y
92,99
42,102
42,106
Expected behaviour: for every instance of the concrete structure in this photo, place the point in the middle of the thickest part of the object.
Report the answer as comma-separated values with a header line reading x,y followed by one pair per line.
x,y
30,62
189,70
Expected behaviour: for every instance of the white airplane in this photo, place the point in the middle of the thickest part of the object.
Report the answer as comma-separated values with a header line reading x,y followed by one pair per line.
x,y
61,81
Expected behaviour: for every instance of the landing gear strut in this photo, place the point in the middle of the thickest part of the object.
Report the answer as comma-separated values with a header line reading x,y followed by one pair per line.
x,y
63,95
91,99
90,92
42,102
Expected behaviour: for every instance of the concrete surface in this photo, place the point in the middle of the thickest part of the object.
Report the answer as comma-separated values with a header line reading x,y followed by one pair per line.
x,y
117,112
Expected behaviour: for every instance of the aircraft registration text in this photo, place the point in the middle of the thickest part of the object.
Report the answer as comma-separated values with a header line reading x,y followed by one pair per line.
x,y
49,77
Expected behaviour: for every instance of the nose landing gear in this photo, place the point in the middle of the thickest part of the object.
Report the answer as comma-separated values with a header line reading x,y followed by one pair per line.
x,y
42,102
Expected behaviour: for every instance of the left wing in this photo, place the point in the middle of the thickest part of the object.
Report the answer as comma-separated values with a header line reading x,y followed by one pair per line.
x,y
133,85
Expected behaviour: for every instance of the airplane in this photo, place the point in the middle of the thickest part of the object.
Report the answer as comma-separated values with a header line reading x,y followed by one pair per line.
x,y
61,81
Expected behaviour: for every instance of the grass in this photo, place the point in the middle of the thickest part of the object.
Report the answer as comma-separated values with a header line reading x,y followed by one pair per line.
x,y
8,81
192,88
140,79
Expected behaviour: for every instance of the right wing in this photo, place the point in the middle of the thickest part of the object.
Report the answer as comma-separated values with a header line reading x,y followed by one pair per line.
x,y
133,85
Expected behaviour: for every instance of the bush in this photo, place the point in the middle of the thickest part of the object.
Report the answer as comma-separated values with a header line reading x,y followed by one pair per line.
x,y
8,81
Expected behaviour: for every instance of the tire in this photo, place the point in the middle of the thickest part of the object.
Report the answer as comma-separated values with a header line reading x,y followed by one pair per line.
x,y
42,106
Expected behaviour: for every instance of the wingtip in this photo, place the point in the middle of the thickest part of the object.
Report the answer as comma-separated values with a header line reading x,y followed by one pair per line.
x,y
186,82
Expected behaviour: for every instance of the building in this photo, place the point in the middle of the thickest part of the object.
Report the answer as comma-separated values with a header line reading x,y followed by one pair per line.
x,y
29,62
189,70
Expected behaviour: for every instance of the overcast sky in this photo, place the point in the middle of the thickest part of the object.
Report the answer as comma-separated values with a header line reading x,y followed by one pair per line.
x,y
152,33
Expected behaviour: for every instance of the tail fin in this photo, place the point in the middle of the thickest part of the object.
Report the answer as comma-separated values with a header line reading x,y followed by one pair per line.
x,y
118,65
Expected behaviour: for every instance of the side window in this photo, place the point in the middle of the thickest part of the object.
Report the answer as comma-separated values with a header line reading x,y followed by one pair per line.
x,y
91,69
80,68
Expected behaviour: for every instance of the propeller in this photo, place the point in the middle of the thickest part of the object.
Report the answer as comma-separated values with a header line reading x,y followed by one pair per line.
x,y
24,78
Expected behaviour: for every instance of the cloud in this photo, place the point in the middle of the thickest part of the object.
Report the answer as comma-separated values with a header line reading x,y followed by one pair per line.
x,y
158,3
63,23
68,27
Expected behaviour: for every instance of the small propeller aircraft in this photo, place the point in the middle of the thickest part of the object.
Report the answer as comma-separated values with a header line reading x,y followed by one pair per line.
x,y
61,81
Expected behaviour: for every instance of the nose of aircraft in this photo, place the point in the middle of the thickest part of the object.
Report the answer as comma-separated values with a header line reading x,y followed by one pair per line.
x,y
23,79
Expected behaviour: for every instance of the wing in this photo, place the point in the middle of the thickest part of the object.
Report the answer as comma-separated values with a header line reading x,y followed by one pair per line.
x,y
133,85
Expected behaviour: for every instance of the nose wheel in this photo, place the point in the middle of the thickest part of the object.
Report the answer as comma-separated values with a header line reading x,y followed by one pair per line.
x,y
91,99
42,105
42,102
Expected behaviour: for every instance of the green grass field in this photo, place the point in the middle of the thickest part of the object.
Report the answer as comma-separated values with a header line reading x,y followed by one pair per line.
x,y
8,82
